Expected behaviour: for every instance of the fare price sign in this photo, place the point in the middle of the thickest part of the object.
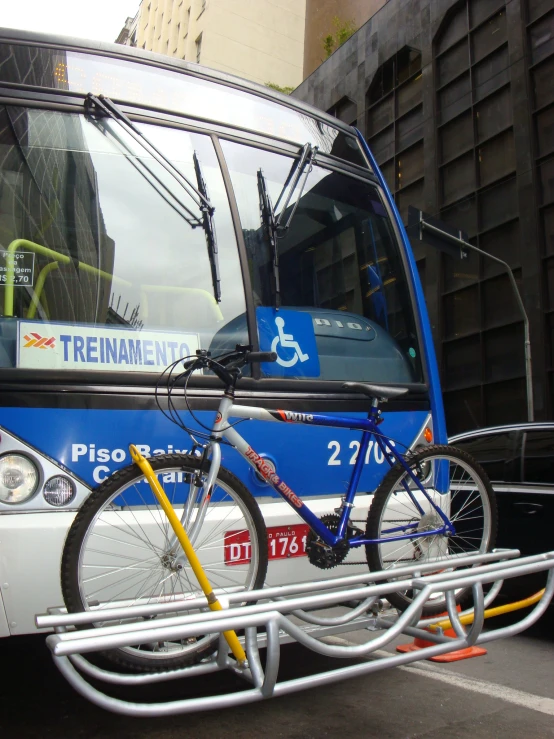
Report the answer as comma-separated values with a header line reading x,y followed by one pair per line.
x,y
19,263
283,542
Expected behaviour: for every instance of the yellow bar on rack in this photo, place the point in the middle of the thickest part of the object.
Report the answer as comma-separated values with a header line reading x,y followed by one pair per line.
x,y
490,612
181,534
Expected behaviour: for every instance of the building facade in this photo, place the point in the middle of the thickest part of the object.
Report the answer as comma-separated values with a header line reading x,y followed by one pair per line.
x,y
128,34
456,99
322,18
260,40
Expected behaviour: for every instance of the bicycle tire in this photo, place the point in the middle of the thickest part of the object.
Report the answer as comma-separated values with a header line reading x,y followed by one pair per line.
x,y
120,533
392,504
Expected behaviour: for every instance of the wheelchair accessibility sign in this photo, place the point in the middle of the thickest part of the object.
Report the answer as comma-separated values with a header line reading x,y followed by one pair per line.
x,y
290,334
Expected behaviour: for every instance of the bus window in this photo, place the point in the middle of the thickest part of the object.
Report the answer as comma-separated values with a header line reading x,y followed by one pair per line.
x,y
110,266
172,90
342,281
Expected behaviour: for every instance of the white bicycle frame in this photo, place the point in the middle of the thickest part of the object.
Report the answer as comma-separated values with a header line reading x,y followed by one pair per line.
x,y
222,430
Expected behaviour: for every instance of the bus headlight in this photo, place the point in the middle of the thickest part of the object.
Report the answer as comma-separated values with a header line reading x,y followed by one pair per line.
x,y
59,491
18,478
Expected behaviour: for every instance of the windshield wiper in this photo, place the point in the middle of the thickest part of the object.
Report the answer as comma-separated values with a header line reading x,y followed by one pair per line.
x,y
273,225
208,225
107,108
270,233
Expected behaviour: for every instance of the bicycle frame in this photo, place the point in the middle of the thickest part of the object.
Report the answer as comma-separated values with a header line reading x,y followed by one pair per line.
x,y
223,430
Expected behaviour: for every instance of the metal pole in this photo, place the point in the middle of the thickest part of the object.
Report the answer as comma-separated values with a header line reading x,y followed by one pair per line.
x,y
465,245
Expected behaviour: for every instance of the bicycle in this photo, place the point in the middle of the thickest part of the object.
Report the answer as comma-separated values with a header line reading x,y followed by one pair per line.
x,y
434,504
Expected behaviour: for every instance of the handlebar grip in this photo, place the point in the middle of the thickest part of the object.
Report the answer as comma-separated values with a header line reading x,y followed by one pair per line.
x,y
188,365
261,357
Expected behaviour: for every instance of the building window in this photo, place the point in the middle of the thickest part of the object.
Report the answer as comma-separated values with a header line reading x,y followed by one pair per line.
x,y
404,65
542,78
456,137
345,110
394,123
474,102
202,8
488,37
478,193
541,38
198,46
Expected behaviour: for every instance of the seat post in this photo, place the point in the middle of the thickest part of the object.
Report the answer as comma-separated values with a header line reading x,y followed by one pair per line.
x,y
374,411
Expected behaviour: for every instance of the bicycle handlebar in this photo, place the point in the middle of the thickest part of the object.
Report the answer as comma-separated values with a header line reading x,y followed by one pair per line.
x,y
261,357
223,366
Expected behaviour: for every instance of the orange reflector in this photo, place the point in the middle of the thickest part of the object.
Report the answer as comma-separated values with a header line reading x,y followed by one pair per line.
x,y
428,435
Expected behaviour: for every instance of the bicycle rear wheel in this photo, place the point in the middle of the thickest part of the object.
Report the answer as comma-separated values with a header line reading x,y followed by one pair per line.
x,y
120,551
467,498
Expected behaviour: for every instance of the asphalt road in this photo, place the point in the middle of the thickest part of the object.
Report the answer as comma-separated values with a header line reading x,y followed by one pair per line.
x,y
508,693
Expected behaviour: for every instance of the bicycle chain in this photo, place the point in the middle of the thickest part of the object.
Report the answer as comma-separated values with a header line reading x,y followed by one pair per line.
x,y
343,562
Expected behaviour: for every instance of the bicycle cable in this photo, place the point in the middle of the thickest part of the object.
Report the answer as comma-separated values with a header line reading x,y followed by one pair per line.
x,y
172,413
174,416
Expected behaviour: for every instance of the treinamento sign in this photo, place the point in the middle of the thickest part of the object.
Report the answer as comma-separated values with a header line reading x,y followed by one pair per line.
x,y
63,346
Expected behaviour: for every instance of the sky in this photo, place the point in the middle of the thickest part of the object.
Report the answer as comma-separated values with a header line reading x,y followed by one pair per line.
x,y
100,20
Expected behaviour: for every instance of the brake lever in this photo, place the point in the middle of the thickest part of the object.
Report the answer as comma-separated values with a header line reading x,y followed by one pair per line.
x,y
201,360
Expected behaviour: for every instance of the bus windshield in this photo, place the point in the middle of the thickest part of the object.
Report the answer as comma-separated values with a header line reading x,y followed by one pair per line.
x,y
338,261
91,241
95,231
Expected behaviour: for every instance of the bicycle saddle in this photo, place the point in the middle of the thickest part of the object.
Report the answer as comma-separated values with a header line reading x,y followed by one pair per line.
x,y
375,391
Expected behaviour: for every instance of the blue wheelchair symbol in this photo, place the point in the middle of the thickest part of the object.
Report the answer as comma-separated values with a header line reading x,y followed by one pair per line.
x,y
290,334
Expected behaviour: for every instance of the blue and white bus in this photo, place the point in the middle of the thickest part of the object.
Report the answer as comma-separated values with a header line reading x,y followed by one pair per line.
x,y
111,268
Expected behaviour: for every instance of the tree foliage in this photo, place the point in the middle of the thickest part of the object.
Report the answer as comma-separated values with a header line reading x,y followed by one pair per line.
x,y
284,90
343,31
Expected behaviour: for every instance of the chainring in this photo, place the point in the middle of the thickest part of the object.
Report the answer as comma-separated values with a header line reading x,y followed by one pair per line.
x,y
323,556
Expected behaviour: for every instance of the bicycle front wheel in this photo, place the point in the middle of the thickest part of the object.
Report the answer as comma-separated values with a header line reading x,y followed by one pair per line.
x,y
456,485
121,551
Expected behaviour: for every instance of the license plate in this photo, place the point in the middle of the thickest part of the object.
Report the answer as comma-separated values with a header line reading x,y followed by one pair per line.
x,y
283,542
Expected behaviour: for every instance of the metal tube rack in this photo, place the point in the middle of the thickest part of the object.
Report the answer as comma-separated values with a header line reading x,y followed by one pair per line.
x,y
290,613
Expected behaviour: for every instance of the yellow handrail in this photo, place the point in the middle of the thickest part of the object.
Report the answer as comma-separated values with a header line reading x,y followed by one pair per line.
x,y
35,300
46,252
181,534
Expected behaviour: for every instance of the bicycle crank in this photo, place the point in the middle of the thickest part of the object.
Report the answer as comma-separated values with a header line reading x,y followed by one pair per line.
x,y
320,554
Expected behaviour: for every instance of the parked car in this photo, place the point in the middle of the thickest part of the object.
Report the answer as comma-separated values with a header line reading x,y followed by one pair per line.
x,y
519,460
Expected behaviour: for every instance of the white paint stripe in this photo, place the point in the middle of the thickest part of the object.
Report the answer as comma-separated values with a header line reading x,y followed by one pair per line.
x,y
484,687
457,680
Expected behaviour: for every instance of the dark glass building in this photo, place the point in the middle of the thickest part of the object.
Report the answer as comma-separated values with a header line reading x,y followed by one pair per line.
x,y
456,99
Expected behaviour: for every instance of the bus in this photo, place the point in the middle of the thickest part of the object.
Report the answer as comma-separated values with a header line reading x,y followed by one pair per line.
x,y
135,195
